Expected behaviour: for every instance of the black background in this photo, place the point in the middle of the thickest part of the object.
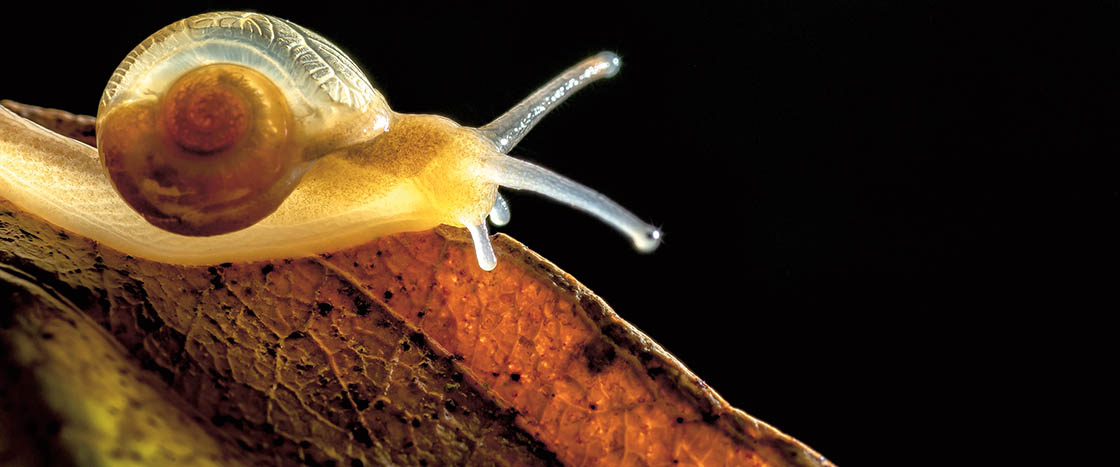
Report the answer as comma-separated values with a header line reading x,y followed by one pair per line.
x,y
858,200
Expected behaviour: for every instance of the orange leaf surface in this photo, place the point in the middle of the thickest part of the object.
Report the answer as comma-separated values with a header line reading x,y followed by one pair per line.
x,y
400,351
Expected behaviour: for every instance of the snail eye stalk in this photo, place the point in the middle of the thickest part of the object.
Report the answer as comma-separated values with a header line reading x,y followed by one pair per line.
x,y
506,131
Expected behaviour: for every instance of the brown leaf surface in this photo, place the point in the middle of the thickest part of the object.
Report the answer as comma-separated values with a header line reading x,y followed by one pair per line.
x,y
74,396
400,351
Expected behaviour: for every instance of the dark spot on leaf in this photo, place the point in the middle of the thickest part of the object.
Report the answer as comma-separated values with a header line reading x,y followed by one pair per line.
x,y
405,346
450,405
416,423
388,295
360,404
416,338
593,407
296,335
515,376
304,444
222,419
600,354
380,404
508,415
215,278
361,306
324,308
267,269
680,419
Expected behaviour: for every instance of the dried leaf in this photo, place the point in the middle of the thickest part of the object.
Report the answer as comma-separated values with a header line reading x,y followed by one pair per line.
x,y
400,351
75,397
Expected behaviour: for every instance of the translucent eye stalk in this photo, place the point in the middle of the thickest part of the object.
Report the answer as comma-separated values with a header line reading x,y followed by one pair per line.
x,y
506,131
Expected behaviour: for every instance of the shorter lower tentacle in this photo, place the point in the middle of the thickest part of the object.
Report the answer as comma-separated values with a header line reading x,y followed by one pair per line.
x,y
483,251
499,214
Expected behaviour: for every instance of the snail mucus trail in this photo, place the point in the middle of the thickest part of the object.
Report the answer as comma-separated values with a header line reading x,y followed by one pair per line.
x,y
212,123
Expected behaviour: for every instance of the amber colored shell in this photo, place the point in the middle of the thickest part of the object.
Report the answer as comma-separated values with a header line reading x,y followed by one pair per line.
x,y
209,124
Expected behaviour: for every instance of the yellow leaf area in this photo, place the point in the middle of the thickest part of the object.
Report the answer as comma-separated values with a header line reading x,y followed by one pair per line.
x,y
59,361
401,351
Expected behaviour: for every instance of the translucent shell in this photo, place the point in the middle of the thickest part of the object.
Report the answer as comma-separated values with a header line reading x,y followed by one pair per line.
x,y
208,125
217,153
324,88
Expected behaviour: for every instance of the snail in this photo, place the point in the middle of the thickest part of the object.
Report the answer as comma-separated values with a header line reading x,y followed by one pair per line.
x,y
241,136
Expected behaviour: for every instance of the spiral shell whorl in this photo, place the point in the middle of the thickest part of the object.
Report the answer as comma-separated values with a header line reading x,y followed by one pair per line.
x,y
318,79
209,124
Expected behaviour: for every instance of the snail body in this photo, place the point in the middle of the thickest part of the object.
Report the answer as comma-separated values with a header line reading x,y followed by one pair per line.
x,y
240,136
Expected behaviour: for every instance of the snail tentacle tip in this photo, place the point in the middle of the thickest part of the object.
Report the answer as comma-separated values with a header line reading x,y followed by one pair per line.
x,y
612,63
483,250
499,214
648,240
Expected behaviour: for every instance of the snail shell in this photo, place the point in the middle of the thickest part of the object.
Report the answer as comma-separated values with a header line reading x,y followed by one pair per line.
x,y
208,125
